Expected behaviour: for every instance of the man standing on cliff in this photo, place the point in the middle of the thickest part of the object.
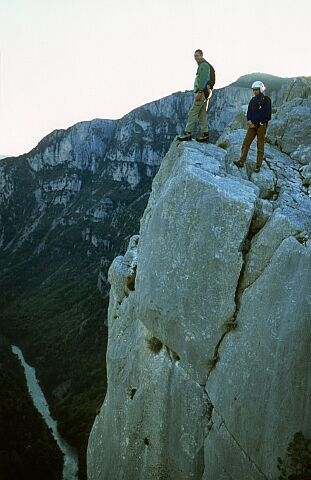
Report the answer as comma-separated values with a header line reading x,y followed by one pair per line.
x,y
258,116
203,91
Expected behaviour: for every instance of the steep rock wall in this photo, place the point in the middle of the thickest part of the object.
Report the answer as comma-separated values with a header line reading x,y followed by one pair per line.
x,y
209,325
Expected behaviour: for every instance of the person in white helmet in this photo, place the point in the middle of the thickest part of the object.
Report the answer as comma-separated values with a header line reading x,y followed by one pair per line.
x,y
258,116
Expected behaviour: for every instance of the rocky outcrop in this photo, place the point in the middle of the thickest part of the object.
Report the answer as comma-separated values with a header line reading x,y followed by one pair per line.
x,y
290,128
225,105
209,326
60,147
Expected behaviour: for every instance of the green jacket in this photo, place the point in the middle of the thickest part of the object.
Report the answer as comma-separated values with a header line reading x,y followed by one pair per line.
x,y
202,76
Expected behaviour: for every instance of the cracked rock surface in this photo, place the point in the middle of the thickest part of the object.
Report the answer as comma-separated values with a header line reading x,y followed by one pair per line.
x,y
209,345
290,128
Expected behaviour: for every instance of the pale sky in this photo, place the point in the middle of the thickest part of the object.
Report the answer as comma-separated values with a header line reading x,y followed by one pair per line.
x,y
65,61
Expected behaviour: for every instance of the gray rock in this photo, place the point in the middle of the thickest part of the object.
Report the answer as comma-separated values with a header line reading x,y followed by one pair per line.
x,y
261,385
219,305
227,107
290,129
6,186
264,244
139,446
237,463
122,275
60,147
180,321
263,212
299,87
306,173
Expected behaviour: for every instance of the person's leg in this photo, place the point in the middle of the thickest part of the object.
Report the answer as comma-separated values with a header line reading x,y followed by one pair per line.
x,y
249,137
204,136
194,112
261,133
202,116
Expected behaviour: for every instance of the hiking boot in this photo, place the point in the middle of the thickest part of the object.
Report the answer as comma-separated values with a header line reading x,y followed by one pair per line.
x,y
185,137
238,163
203,138
257,168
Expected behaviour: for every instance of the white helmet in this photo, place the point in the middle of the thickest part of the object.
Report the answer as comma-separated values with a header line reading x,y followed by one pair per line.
x,y
259,84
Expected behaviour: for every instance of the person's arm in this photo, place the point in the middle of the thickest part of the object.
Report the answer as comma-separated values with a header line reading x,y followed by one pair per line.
x,y
203,77
266,110
250,124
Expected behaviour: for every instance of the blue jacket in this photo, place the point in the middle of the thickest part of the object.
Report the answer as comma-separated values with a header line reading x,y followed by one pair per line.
x,y
259,109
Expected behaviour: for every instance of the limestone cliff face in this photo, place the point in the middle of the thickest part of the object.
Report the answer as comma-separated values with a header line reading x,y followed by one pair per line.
x,y
290,129
209,322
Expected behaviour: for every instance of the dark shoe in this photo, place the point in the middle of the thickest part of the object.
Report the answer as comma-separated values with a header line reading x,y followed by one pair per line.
x,y
257,169
203,138
239,163
185,137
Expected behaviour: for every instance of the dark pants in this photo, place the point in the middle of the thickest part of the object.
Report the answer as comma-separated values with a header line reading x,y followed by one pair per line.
x,y
260,132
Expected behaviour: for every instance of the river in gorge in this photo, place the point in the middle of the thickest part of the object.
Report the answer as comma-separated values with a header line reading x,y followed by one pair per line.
x,y
70,469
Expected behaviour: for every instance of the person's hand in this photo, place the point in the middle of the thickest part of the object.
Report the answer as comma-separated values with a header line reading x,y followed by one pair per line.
x,y
198,96
251,124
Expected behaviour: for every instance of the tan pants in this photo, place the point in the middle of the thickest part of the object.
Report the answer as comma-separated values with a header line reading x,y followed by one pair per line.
x,y
260,132
198,111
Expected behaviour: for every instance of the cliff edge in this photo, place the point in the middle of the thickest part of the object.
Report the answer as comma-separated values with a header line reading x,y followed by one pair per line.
x,y
209,322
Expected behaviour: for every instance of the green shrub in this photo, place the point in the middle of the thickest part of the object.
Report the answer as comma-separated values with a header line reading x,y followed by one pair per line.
x,y
154,344
297,465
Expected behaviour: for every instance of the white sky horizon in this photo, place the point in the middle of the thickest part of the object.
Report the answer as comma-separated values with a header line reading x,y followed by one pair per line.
x,y
68,61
